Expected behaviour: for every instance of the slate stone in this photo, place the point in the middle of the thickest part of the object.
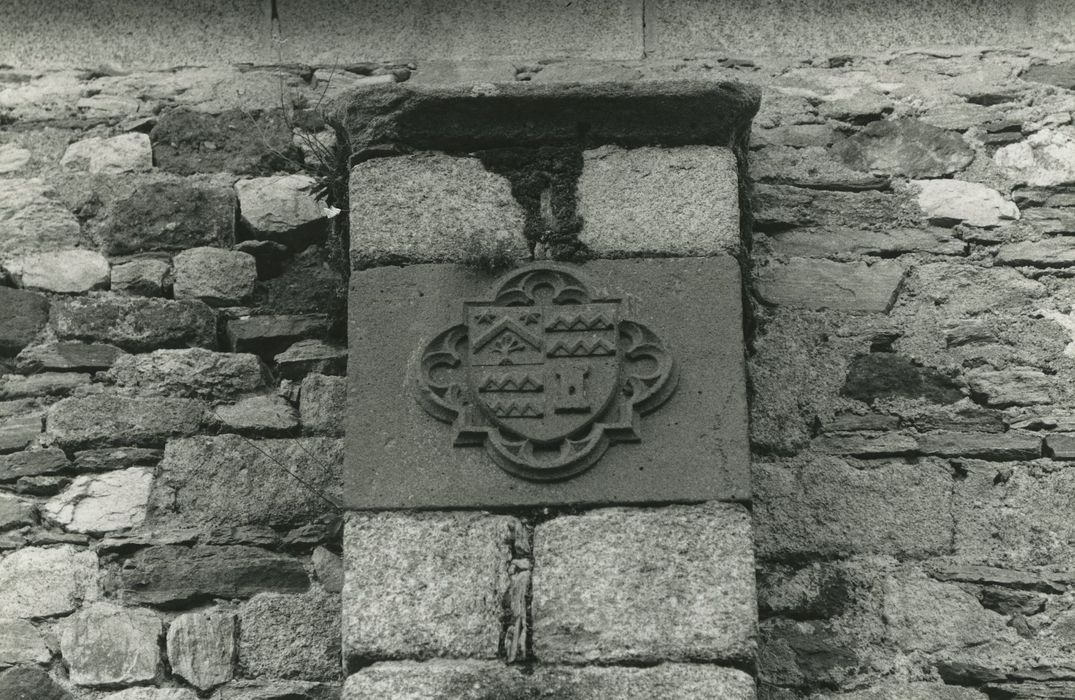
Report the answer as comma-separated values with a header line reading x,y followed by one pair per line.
x,y
201,647
21,643
32,463
168,575
1059,74
22,315
67,357
41,485
170,215
125,153
949,202
19,432
810,167
264,415
15,512
323,404
217,277
822,284
105,644
969,290
1049,252
192,373
29,683
278,690
1060,446
840,243
105,459
33,219
46,581
884,375
905,147
144,277
1010,446
133,323
1018,386
72,271
101,420
291,636
97,504
602,581
884,445
312,355
14,386
267,336
237,141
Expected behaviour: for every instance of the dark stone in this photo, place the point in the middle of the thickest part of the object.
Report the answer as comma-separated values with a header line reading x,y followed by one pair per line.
x,y
169,575
962,673
1008,446
267,336
32,463
794,654
1058,74
1032,690
693,447
905,147
109,458
22,315
1011,602
306,284
16,433
30,683
885,375
982,420
309,357
41,485
236,141
170,216
68,357
136,324
851,422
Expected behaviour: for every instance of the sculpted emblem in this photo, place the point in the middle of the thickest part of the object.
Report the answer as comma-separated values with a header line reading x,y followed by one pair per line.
x,y
544,375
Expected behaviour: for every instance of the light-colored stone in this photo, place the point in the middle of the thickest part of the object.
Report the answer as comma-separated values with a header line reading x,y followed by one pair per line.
x,y
968,290
329,569
433,208
633,585
145,277
101,503
193,372
152,694
126,153
1044,159
810,283
13,158
1018,386
264,415
21,643
925,615
323,404
201,647
46,581
291,636
425,585
948,202
14,386
1049,252
15,511
659,201
105,644
277,205
912,691
106,419
216,276
32,219
75,270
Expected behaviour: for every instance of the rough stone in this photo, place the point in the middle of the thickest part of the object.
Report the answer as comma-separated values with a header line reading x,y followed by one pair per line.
x,y
217,277
824,506
278,690
29,683
949,202
659,201
322,404
168,575
905,147
102,503
107,419
21,643
42,582
1011,445
602,583
134,323
274,207
329,569
67,357
237,141
879,375
63,271
14,386
307,356
170,215
844,244
822,284
193,373
32,219
19,432
433,208
32,463
13,158
1049,252
291,636
152,694
259,415
926,615
22,315
15,512
268,336
968,290
1060,74
479,680
1044,159
1020,386
228,480
1058,446
105,644
884,445
912,691
144,277
109,458
811,167
201,647
126,153
425,585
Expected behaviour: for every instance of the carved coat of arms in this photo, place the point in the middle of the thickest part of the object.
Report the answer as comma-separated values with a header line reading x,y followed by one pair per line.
x,y
544,375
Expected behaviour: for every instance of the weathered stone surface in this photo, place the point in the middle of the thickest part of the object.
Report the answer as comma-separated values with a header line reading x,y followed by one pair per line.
x,y
259,415
949,202
32,463
308,356
278,690
1011,445
67,357
1043,159
659,201
880,375
126,153
227,480
201,647
170,215
41,582
968,290
905,147
134,323
64,271
329,569
840,243
268,336
29,683
425,585
15,386
187,142
144,277
1060,74
273,207
15,512
19,432
21,643
194,373
1048,252
22,315
323,404
858,445
13,158
216,276
811,167
291,636
827,506
101,503
433,208
109,458
602,581
1058,445
152,694
32,219
1019,386
109,419
478,680
105,644
911,691
822,284
167,574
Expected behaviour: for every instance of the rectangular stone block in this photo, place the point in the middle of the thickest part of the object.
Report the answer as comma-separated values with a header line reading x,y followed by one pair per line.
x,y
691,447
628,585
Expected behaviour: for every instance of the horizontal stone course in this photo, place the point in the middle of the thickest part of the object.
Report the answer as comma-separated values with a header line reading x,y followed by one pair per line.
x,y
133,323
191,373
111,419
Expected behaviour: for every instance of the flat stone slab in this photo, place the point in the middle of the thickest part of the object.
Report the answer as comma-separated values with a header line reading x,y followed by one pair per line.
x,y
689,443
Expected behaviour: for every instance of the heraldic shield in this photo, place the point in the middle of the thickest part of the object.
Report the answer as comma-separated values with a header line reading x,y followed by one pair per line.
x,y
544,375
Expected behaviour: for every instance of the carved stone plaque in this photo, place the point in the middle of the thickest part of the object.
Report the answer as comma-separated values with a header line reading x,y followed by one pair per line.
x,y
609,382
